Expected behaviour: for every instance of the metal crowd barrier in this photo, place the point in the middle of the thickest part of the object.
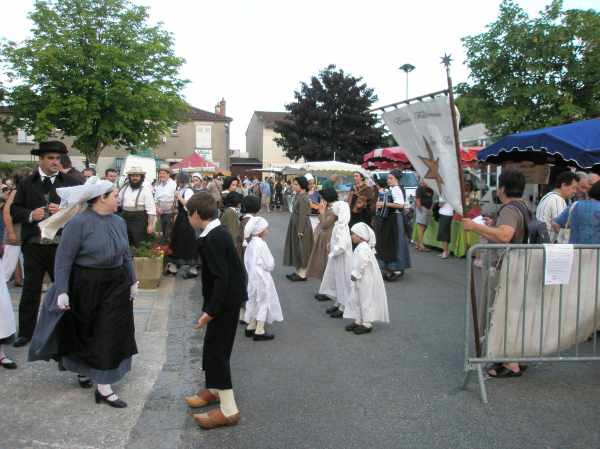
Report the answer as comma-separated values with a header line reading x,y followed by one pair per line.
x,y
512,316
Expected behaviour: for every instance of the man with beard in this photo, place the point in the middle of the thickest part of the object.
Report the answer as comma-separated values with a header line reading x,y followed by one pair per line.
x,y
138,207
36,200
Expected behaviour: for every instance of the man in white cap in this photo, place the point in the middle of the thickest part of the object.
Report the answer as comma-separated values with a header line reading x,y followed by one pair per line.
x,y
137,206
164,194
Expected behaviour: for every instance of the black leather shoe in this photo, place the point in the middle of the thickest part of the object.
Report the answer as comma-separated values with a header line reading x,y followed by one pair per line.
x,y
351,327
117,403
21,341
249,333
320,297
362,330
7,363
84,382
331,310
337,314
290,276
263,337
295,278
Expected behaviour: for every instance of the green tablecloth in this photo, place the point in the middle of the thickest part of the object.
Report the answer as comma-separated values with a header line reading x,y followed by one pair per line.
x,y
460,240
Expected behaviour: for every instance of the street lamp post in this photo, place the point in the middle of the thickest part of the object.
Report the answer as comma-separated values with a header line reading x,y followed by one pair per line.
x,y
407,68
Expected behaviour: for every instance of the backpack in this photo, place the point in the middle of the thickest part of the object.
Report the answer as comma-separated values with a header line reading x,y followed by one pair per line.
x,y
535,230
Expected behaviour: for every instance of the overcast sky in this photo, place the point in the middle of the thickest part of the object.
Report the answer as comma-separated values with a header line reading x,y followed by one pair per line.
x,y
255,53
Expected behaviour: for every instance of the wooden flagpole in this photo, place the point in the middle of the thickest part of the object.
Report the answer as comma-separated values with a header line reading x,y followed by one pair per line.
x,y
446,60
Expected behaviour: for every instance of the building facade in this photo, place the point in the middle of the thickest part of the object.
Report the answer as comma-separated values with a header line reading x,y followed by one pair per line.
x,y
260,139
205,132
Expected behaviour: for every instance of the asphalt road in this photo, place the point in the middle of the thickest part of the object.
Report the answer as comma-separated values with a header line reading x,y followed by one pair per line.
x,y
318,386
315,386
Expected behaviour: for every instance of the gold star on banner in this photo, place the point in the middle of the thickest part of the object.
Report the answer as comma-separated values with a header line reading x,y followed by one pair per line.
x,y
433,168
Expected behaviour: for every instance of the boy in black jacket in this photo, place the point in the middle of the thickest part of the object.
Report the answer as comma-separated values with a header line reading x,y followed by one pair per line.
x,y
224,291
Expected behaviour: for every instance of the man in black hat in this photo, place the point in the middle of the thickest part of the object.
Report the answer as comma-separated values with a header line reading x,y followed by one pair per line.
x,y
35,200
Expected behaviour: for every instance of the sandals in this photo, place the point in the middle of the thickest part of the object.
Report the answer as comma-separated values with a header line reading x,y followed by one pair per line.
x,y
502,372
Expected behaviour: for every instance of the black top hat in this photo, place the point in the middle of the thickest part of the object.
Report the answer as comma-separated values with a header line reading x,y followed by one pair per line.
x,y
52,146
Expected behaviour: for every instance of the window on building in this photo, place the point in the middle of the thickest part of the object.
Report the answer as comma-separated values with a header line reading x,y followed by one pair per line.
x,y
203,136
24,138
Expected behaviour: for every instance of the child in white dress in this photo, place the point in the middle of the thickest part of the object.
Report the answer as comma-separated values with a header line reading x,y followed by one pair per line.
x,y
369,300
263,302
336,279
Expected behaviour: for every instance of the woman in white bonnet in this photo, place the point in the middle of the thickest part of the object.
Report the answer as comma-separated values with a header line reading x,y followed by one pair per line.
x,y
369,300
86,320
263,302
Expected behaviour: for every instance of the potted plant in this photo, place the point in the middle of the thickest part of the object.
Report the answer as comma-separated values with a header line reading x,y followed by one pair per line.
x,y
148,264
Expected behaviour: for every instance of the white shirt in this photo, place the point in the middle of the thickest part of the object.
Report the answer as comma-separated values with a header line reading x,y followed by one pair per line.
x,y
165,191
212,225
44,175
550,207
127,199
397,196
446,208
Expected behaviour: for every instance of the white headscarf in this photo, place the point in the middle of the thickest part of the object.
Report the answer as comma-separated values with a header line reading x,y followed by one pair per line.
x,y
342,211
72,201
93,188
365,232
255,226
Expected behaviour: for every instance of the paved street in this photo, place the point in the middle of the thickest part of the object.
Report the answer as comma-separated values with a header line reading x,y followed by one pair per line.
x,y
315,385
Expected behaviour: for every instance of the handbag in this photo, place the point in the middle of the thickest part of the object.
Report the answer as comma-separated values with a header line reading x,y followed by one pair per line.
x,y
564,235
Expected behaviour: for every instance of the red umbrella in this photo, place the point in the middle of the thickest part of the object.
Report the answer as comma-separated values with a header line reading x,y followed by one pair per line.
x,y
391,154
194,162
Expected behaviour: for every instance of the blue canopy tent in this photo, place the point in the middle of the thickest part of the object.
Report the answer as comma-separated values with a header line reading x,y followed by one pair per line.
x,y
573,144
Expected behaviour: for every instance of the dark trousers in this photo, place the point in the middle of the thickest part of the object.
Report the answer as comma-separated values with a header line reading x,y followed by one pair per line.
x,y
166,226
137,226
218,344
38,260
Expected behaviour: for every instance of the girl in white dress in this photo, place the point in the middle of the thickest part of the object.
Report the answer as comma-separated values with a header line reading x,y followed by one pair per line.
x,y
336,279
7,323
263,302
369,300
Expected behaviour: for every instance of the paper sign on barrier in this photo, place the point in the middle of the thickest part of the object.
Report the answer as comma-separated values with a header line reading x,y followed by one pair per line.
x,y
559,260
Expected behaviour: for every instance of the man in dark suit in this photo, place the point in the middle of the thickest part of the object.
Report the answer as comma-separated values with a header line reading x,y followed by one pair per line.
x,y
224,291
35,200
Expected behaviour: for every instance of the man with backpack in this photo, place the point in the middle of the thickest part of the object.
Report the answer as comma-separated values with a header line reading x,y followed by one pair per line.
x,y
511,224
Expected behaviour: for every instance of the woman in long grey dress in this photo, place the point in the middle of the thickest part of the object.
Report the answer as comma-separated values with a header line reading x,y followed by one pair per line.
x,y
87,316
299,237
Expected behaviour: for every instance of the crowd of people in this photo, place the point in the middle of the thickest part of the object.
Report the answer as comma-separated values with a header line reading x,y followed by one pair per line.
x,y
79,229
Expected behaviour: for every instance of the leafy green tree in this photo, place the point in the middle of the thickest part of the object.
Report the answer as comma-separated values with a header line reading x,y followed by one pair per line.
x,y
97,71
530,73
471,108
330,115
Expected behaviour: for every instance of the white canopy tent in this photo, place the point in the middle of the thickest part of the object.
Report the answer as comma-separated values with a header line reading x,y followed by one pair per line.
x,y
325,168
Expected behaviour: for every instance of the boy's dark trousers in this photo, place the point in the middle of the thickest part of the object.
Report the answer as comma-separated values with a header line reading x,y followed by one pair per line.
x,y
218,344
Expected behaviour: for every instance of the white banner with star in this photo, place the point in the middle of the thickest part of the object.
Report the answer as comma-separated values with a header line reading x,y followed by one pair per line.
x,y
424,131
